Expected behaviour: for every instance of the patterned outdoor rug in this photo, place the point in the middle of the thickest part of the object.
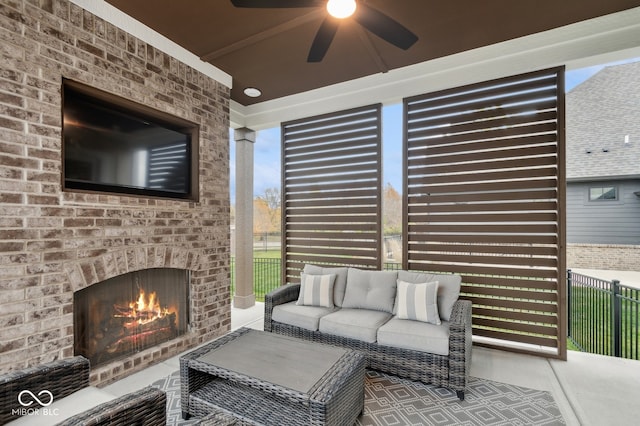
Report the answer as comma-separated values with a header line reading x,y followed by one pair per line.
x,y
390,400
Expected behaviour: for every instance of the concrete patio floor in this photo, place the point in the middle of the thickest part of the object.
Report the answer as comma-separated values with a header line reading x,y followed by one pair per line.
x,y
589,389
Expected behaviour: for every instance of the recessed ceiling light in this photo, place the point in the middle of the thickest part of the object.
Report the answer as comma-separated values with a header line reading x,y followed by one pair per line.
x,y
341,8
252,92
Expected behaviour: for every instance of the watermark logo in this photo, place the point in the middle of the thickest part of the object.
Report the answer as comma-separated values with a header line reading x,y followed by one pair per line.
x,y
42,399
45,394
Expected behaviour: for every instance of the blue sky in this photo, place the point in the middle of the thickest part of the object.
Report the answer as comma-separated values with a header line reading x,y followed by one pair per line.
x,y
266,172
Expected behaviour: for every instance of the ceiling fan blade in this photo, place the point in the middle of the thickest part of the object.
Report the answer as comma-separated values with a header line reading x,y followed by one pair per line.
x,y
268,4
323,39
384,26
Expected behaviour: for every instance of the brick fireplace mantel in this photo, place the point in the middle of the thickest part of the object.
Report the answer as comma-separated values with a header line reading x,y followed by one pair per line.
x,y
118,262
53,243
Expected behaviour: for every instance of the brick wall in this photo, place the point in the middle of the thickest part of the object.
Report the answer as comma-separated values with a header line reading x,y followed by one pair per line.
x,y
603,256
52,242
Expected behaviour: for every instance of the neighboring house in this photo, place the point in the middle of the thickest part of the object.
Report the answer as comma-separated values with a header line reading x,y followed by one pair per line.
x,y
603,170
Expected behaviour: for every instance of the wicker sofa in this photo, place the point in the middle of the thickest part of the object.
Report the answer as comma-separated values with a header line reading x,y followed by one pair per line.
x,y
368,314
68,382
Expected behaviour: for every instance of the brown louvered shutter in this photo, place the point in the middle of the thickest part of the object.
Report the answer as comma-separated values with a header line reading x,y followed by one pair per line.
x,y
331,191
484,197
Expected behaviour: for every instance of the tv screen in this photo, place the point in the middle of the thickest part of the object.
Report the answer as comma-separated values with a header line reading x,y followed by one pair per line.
x,y
112,145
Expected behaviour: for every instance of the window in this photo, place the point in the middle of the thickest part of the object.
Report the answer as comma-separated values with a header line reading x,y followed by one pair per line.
x,y
603,193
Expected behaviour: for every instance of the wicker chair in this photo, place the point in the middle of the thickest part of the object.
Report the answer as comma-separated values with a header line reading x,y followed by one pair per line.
x,y
146,407
220,418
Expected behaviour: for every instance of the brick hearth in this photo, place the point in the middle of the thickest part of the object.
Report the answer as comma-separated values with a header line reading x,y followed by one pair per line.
x,y
53,243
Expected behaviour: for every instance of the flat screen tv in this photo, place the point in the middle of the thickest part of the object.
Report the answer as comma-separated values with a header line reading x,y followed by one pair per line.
x,y
117,146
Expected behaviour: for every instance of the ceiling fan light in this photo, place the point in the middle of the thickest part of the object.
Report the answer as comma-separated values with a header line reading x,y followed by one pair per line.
x,y
341,8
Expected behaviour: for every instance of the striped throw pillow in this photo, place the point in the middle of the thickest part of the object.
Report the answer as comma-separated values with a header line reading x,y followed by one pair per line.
x,y
316,290
418,302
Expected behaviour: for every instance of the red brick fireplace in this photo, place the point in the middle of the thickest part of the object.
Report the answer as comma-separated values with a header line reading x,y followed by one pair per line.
x,y
54,243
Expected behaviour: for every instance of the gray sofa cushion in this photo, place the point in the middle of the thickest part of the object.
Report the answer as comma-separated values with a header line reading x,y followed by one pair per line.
x,y
415,335
307,317
374,290
340,283
360,324
448,288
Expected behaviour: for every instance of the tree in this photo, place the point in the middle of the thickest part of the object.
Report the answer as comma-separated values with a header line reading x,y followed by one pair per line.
x,y
273,198
391,210
261,216
267,210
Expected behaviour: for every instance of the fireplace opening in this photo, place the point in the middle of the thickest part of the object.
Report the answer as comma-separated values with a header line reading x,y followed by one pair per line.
x,y
129,313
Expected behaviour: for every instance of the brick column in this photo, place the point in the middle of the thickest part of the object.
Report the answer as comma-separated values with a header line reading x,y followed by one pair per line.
x,y
244,296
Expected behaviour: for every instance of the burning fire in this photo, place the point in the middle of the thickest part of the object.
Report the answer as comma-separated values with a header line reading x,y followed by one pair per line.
x,y
144,310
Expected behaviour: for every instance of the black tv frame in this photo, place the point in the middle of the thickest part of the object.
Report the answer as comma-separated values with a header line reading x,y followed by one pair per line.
x,y
140,111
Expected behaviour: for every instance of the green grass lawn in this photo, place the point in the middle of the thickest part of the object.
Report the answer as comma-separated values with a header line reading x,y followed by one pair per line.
x,y
266,273
267,254
590,321
590,316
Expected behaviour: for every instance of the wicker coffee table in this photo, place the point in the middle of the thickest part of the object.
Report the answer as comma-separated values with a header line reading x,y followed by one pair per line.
x,y
266,378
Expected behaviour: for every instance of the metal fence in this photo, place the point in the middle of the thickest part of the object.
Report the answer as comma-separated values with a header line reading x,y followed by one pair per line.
x,y
266,275
603,316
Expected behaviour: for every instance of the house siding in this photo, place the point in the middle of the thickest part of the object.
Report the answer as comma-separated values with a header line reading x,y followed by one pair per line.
x,y
603,222
603,148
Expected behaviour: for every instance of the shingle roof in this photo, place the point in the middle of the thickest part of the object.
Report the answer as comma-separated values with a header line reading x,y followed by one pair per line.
x,y
603,124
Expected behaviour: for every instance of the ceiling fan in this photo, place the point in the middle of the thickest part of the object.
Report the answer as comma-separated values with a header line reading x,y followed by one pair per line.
x,y
372,19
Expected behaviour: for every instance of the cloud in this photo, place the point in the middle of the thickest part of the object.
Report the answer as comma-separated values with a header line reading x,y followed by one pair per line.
x,y
392,146
266,158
